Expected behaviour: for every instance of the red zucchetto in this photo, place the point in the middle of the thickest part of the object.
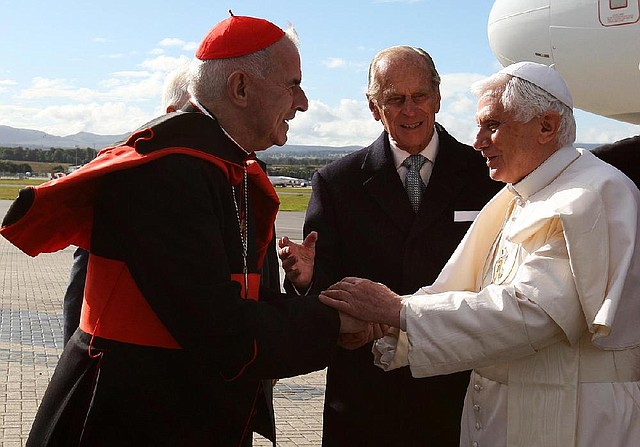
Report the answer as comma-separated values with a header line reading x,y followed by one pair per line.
x,y
238,36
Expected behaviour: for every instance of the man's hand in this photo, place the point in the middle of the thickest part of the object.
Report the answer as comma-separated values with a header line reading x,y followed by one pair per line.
x,y
298,260
353,332
365,300
359,339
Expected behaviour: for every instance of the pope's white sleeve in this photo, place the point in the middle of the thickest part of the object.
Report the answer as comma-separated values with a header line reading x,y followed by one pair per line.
x,y
459,330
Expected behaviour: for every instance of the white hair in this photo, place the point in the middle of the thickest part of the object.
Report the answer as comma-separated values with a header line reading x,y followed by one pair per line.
x,y
175,92
208,79
525,100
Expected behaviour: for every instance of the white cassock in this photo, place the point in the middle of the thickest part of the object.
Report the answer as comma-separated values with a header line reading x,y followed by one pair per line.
x,y
542,300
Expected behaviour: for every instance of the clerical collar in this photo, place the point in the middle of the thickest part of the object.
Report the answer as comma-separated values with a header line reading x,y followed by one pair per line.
x,y
430,152
544,174
204,110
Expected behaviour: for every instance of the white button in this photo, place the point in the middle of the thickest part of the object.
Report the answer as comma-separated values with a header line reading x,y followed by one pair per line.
x,y
476,408
477,387
478,426
475,444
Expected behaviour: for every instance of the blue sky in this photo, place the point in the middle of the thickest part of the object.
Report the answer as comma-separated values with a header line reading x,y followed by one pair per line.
x,y
71,66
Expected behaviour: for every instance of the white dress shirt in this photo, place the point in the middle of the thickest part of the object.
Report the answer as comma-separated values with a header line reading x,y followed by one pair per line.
x,y
430,152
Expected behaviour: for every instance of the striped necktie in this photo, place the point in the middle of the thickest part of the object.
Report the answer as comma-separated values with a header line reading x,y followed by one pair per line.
x,y
413,182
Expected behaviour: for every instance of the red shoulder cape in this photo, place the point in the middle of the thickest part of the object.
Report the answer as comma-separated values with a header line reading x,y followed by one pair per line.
x,y
61,212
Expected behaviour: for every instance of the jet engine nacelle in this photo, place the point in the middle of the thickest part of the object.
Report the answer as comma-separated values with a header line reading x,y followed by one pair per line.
x,y
594,44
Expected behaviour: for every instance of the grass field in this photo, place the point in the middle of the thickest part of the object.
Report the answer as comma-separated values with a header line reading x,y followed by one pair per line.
x,y
9,187
291,199
294,199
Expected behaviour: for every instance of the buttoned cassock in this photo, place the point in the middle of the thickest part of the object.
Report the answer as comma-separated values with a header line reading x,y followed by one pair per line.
x,y
159,218
554,336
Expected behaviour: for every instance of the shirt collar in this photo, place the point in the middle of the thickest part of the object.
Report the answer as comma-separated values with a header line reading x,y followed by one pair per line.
x,y
544,174
431,151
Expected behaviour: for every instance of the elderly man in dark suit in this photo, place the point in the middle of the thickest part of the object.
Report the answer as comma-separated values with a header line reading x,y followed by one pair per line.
x,y
368,225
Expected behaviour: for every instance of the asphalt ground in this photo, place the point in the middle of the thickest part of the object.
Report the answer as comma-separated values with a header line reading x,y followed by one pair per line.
x,y
31,343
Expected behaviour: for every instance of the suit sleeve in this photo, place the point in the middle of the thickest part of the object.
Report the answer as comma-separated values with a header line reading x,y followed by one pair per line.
x,y
166,221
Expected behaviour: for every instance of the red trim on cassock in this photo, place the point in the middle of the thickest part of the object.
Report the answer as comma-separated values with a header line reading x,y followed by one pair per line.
x,y
62,210
253,280
115,309
62,214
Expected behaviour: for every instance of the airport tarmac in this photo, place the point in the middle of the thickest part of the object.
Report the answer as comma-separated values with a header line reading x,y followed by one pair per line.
x,y
31,343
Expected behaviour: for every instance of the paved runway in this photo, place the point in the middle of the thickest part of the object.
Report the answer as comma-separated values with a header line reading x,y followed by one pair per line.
x,y
31,342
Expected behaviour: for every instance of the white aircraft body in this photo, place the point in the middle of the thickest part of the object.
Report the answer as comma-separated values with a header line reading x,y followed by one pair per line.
x,y
281,180
594,45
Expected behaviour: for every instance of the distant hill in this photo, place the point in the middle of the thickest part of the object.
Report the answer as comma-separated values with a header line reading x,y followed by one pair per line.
x,y
36,139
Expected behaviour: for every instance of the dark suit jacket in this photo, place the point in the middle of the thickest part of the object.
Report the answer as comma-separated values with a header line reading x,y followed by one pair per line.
x,y
368,229
624,155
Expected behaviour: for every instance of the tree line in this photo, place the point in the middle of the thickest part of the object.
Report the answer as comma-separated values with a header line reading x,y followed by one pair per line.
x,y
300,165
78,156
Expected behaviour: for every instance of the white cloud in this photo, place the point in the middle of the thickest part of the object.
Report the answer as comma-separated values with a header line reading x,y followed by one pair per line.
x,y
191,46
606,133
171,42
350,123
164,63
131,74
109,118
125,99
100,40
334,62
458,83
42,88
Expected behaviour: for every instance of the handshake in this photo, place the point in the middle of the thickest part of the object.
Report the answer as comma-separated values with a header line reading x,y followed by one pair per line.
x,y
367,309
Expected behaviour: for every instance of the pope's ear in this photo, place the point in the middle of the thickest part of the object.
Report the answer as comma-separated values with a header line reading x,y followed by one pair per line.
x,y
238,88
549,125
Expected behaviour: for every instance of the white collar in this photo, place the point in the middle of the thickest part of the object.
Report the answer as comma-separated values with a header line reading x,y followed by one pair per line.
x,y
544,174
430,152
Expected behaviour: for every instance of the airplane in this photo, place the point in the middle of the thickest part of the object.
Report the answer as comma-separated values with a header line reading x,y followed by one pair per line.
x,y
594,45
281,180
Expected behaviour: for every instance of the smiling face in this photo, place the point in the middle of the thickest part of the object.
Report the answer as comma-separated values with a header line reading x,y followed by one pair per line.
x,y
277,97
511,148
407,101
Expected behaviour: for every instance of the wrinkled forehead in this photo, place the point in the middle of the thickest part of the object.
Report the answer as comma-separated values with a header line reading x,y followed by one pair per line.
x,y
285,59
489,108
399,79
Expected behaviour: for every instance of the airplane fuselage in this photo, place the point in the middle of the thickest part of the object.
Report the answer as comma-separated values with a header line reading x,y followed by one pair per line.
x,y
594,44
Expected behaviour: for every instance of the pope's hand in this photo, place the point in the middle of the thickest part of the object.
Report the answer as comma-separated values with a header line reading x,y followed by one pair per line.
x,y
365,300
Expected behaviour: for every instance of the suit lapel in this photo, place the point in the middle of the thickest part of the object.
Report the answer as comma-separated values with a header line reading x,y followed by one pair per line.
x,y
381,181
447,179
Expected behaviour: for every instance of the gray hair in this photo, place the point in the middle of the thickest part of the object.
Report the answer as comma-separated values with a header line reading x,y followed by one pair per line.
x,y
209,78
525,100
373,89
175,92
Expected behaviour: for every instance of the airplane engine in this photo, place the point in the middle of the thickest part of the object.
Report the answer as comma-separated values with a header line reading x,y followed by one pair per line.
x,y
594,44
